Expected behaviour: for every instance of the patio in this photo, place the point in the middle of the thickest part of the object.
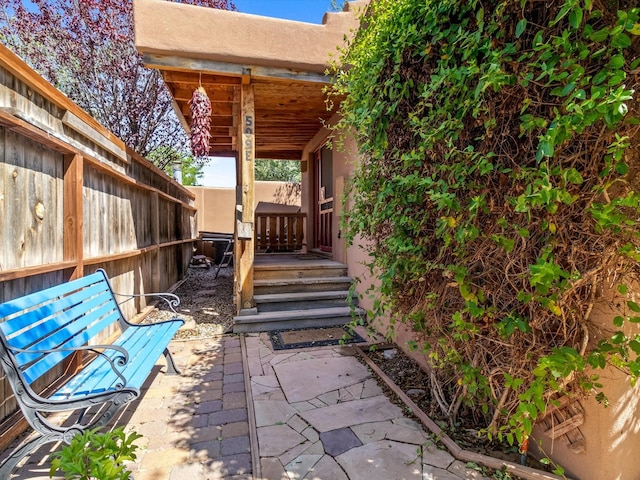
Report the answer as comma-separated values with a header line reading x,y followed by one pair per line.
x,y
241,410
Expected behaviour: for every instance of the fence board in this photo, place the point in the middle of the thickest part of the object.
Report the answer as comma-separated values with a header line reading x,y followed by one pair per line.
x,y
129,216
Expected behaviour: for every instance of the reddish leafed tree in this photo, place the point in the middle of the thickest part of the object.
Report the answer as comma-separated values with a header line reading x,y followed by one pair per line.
x,y
86,49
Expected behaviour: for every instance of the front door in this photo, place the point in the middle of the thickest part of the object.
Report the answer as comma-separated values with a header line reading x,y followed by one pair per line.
x,y
324,199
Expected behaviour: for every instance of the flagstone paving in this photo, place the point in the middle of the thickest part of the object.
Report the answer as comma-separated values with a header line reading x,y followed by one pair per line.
x,y
321,415
317,414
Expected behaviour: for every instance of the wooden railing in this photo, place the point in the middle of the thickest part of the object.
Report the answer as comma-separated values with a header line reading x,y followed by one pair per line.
x,y
279,232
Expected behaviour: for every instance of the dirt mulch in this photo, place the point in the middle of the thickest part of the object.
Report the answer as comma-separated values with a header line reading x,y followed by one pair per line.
x,y
206,303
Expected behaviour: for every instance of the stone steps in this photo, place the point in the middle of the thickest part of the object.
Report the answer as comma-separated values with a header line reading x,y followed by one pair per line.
x,y
301,300
298,285
281,320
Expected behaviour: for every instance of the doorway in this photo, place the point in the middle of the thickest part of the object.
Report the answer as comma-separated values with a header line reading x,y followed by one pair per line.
x,y
323,214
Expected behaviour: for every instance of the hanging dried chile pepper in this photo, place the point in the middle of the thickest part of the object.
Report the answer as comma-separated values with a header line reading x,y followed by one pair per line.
x,y
200,106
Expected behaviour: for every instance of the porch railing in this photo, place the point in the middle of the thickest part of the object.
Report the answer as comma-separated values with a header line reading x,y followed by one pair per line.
x,y
279,232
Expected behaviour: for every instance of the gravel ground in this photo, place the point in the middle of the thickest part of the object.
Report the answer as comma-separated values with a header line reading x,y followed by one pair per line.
x,y
206,303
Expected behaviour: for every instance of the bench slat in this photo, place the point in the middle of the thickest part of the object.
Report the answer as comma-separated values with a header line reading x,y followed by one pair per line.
x,y
28,301
30,318
64,324
149,350
145,344
49,360
75,315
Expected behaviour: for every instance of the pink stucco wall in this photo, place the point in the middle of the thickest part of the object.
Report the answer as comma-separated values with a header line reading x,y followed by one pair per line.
x,y
216,206
612,434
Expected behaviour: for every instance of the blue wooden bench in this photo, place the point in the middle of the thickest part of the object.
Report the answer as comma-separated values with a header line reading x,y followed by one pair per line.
x,y
42,331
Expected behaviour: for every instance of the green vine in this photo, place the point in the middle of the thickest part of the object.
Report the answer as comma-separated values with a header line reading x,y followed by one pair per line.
x,y
498,192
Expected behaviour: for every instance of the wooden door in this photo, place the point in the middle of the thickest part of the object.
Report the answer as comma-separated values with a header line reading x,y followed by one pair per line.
x,y
324,199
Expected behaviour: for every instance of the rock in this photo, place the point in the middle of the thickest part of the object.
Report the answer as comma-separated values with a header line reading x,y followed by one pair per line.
x,y
415,392
389,354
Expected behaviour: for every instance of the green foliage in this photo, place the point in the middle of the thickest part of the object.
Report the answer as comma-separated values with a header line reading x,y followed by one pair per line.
x,y
165,157
278,171
498,191
95,455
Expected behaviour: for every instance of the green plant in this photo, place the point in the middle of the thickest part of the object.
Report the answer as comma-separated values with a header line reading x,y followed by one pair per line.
x,y
93,455
498,191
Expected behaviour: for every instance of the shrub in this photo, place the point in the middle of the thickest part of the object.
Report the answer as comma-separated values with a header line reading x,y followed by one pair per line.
x,y
93,455
499,191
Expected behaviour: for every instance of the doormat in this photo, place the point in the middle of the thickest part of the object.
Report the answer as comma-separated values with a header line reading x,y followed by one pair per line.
x,y
312,337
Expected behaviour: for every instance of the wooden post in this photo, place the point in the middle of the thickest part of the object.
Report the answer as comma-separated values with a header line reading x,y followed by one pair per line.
x,y
155,240
73,213
246,169
72,240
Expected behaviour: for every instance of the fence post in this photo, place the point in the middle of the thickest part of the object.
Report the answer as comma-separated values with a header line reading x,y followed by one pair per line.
x,y
73,243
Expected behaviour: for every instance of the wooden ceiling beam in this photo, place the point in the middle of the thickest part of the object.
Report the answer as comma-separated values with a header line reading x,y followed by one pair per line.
x,y
281,155
217,110
224,69
222,121
221,152
191,77
182,94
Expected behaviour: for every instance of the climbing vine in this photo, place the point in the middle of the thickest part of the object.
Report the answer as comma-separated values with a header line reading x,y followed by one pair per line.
x,y
498,192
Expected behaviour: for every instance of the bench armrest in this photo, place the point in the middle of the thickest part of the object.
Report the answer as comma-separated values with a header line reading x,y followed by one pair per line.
x,y
172,301
118,361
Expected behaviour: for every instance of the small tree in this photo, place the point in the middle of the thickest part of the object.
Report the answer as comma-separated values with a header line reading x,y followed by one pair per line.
x,y
278,170
86,49
166,157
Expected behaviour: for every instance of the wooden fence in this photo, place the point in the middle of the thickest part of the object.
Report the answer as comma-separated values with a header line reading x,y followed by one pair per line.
x,y
73,199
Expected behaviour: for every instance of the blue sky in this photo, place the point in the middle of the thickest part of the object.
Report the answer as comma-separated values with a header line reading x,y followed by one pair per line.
x,y
302,10
220,172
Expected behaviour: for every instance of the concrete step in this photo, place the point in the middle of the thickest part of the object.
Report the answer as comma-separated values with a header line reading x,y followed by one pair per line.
x,y
320,317
313,270
297,285
301,301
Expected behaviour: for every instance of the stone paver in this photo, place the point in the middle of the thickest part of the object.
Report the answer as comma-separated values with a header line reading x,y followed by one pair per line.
x,y
194,425
374,409
382,460
350,430
319,415
336,442
274,440
321,376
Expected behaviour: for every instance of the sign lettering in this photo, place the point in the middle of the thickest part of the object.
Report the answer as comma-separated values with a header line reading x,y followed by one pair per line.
x,y
248,138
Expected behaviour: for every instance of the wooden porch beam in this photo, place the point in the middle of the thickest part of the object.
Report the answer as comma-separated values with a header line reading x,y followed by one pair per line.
x,y
183,64
246,159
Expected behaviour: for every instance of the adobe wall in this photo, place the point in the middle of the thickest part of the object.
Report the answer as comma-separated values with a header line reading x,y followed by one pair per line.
x,y
168,28
611,434
216,206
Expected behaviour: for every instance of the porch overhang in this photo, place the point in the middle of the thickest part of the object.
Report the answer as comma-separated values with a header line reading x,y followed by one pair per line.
x,y
285,61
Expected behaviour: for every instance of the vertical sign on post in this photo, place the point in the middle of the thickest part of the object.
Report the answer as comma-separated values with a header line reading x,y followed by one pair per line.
x,y
247,163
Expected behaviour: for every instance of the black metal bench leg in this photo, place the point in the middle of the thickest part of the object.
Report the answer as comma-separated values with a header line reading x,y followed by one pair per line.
x,y
21,451
171,364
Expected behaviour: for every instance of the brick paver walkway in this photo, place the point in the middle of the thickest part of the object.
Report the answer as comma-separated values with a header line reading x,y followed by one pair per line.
x,y
317,414
194,426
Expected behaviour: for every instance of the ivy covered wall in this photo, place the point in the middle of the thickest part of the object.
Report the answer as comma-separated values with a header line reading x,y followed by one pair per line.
x,y
498,194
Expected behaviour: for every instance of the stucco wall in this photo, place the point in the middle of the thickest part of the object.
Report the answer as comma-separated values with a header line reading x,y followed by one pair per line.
x,y
216,206
174,29
611,433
